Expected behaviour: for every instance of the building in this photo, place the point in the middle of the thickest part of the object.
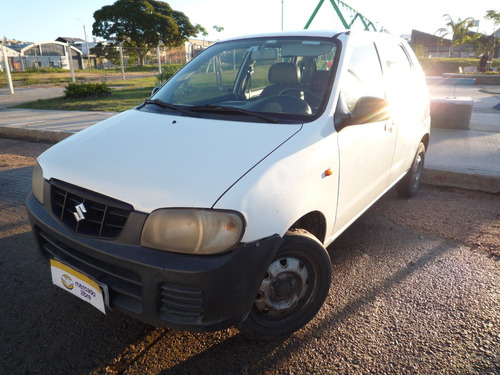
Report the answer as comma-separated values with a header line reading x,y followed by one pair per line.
x,y
10,54
88,59
496,36
28,55
437,46
44,55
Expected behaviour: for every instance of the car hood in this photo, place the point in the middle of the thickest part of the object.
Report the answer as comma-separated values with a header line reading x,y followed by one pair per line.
x,y
154,160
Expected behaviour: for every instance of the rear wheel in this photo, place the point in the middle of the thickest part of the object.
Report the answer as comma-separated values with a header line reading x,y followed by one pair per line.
x,y
409,184
293,290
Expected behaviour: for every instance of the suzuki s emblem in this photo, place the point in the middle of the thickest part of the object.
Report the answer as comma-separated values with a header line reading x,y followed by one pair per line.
x,y
80,211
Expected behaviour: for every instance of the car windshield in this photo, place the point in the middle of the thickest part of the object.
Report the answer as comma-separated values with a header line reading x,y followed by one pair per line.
x,y
262,79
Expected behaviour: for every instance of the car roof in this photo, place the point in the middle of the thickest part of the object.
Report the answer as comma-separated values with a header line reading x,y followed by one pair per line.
x,y
373,35
309,33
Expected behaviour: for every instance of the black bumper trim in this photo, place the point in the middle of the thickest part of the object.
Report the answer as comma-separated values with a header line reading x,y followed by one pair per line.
x,y
188,292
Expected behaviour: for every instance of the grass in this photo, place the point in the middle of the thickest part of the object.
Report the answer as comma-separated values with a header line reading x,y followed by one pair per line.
x,y
61,77
125,95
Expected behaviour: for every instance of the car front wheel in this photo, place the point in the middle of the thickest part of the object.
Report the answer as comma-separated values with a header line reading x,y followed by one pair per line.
x,y
293,289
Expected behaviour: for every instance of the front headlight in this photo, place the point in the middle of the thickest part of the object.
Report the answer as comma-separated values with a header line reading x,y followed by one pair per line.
x,y
192,231
37,183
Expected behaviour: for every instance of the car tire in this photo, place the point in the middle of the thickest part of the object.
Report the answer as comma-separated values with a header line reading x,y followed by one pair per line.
x,y
408,186
293,290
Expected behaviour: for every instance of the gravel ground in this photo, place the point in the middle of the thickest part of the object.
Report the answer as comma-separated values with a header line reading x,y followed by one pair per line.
x,y
415,289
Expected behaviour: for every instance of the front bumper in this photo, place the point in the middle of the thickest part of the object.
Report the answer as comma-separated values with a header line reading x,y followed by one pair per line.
x,y
188,292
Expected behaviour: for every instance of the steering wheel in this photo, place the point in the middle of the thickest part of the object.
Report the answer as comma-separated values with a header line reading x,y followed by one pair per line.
x,y
317,99
283,104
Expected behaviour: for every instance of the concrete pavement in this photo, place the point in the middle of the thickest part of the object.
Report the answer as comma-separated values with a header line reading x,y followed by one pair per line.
x,y
28,94
467,159
47,126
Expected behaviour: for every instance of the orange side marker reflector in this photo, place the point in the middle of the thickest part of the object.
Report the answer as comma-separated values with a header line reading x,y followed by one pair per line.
x,y
328,172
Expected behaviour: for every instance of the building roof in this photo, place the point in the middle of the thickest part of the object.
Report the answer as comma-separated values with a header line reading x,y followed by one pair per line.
x,y
419,37
19,47
66,39
10,52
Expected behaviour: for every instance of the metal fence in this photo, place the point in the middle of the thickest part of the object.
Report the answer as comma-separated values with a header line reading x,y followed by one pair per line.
x,y
113,58
22,63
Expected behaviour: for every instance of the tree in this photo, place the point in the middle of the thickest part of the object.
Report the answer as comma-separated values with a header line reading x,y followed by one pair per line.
x,y
143,24
495,17
459,31
109,52
420,50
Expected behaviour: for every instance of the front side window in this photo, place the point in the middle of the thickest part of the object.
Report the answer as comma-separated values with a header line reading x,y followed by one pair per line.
x,y
282,78
364,75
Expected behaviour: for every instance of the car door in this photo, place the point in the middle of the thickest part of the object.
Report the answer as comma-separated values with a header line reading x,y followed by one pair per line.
x,y
408,97
366,150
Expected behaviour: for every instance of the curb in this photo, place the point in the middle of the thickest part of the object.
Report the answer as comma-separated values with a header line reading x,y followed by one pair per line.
x,y
33,135
478,182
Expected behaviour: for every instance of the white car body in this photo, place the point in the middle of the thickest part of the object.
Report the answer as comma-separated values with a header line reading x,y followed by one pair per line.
x,y
274,175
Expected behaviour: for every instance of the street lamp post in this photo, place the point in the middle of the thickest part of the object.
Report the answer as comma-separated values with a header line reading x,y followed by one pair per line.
x,y
282,14
7,66
87,47
70,61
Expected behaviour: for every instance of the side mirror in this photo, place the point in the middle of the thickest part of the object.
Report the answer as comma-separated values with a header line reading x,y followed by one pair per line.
x,y
368,109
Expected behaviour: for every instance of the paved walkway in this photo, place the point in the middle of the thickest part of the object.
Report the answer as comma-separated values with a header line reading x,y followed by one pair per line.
x,y
459,158
28,94
467,158
49,126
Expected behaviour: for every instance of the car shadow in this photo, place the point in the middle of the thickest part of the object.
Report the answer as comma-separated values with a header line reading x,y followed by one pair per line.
x,y
364,243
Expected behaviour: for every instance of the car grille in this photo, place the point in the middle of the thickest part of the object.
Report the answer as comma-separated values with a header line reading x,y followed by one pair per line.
x,y
125,286
103,217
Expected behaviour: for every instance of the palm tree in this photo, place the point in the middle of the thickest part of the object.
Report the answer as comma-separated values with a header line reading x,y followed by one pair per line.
x,y
459,30
472,39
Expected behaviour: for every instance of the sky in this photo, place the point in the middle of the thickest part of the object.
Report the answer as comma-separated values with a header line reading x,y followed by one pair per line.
x,y
38,21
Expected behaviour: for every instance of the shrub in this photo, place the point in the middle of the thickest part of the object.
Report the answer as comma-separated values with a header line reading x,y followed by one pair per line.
x,y
167,72
87,90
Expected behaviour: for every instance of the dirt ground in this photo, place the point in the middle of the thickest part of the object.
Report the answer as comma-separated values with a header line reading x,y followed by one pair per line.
x,y
415,289
464,216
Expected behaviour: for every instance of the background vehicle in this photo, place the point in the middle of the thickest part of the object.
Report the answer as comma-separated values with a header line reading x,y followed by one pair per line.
x,y
211,204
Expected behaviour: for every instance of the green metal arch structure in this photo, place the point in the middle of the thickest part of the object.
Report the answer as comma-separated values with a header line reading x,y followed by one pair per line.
x,y
337,4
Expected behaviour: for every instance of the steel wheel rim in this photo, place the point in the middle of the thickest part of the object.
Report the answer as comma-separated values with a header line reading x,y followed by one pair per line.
x,y
417,171
272,309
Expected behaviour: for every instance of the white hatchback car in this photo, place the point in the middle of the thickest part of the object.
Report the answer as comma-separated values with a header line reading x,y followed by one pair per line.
x,y
211,204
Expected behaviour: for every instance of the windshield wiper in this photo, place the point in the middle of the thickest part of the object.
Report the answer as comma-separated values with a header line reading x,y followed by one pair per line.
x,y
161,103
233,110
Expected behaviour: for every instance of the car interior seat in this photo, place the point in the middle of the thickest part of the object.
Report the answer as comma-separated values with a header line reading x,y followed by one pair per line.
x,y
282,75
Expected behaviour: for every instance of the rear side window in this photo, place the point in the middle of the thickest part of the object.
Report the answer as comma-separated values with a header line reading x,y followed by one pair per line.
x,y
396,61
364,75
397,68
404,87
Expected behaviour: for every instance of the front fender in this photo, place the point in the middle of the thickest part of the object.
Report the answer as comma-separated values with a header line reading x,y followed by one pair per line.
x,y
287,185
